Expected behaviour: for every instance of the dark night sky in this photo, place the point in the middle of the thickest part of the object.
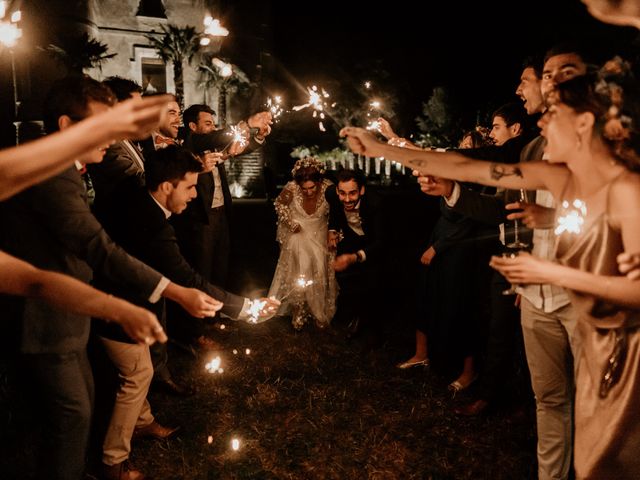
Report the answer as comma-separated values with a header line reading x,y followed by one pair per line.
x,y
460,44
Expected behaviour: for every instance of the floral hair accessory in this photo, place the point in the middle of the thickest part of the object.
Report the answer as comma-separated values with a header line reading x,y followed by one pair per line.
x,y
308,162
617,125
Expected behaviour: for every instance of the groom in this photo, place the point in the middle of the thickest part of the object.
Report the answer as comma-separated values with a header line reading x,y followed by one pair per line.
x,y
356,232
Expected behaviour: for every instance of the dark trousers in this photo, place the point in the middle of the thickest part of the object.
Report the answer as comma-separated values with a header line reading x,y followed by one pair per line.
x,y
206,247
504,343
360,296
64,385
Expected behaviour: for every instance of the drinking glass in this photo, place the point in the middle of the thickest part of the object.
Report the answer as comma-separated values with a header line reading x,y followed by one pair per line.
x,y
517,243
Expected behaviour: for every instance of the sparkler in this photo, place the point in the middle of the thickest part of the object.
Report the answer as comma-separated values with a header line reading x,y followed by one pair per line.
x,y
255,308
274,105
238,135
300,284
317,102
214,366
373,125
573,218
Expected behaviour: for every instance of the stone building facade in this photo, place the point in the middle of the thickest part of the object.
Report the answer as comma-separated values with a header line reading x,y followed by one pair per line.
x,y
124,24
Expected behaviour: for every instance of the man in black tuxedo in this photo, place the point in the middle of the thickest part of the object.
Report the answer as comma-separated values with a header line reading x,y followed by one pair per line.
x,y
141,226
203,229
357,231
50,225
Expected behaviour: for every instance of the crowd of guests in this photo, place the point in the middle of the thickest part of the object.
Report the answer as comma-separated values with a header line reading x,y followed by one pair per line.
x,y
124,244
157,230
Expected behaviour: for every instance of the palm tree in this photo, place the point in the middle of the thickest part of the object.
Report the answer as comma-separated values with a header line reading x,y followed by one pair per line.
x,y
79,52
231,81
175,45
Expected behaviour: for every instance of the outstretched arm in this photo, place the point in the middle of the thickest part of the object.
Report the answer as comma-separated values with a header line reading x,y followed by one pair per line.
x,y
454,166
29,164
20,278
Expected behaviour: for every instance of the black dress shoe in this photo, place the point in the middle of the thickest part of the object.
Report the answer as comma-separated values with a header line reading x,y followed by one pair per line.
x,y
172,388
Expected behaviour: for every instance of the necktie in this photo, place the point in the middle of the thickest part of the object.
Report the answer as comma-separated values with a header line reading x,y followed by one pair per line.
x,y
161,141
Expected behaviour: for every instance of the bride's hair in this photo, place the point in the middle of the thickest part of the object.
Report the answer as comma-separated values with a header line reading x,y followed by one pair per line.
x,y
307,168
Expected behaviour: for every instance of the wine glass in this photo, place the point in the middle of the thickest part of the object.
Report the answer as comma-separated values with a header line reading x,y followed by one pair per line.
x,y
512,288
518,244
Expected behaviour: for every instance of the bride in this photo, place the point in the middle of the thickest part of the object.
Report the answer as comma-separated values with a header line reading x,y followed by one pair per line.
x,y
304,280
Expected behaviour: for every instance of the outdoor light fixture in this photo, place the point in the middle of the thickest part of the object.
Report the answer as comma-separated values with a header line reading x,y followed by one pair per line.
x,y
213,35
9,34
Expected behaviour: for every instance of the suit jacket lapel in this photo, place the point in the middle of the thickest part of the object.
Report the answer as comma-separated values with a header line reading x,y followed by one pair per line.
x,y
135,154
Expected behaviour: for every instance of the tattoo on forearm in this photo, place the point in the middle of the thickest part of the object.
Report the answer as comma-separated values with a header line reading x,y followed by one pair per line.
x,y
497,171
416,163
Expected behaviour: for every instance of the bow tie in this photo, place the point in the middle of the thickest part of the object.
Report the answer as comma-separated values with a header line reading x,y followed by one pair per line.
x,y
161,141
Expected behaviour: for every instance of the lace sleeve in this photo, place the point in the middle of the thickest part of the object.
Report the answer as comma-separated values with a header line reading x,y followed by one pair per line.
x,y
283,210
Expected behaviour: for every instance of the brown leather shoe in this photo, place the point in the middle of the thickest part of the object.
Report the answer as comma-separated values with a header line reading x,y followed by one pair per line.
x,y
120,471
472,409
154,430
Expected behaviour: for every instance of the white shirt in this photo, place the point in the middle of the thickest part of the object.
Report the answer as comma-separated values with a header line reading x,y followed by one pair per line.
x,y
218,195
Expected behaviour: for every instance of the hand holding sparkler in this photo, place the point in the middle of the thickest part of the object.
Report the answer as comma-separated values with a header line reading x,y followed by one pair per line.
x,y
262,121
210,160
262,309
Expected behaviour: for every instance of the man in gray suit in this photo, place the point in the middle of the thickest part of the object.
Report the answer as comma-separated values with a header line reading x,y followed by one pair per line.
x,y
50,226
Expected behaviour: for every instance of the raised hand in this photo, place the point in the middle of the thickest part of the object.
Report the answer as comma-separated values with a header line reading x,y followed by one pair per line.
x,y
135,118
262,121
385,129
532,214
362,142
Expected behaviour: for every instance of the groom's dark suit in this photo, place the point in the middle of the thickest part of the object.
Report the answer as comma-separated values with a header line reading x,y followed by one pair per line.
x,y
360,282
50,226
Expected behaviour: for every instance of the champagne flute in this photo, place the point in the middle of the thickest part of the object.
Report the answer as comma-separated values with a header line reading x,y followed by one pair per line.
x,y
512,288
518,244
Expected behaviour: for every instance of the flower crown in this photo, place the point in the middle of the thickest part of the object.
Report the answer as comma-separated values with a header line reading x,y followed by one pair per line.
x,y
618,127
308,162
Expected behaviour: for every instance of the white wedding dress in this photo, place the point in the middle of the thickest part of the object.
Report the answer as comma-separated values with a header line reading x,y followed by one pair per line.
x,y
304,257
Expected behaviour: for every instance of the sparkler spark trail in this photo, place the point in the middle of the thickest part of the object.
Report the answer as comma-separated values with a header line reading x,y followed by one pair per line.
x,y
300,284
274,105
573,218
317,102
